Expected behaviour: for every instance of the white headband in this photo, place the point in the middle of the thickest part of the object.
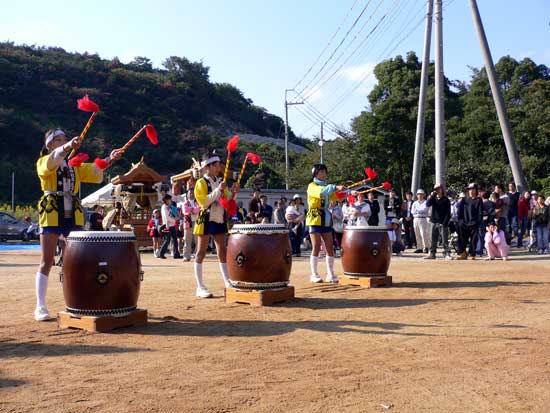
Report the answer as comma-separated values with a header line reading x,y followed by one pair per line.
x,y
210,160
53,135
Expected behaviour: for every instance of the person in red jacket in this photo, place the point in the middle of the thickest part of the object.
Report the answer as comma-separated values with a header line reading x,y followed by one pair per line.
x,y
524,204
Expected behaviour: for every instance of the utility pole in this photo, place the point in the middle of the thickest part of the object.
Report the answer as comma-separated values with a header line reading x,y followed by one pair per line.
x,y
321,142
511,149
419,141
287,104
439,98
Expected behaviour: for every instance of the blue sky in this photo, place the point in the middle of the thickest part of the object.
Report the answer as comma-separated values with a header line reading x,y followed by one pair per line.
x,y
266,47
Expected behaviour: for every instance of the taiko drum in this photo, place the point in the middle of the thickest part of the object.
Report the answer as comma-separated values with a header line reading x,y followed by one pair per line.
x,y
366,251
259,256
101,273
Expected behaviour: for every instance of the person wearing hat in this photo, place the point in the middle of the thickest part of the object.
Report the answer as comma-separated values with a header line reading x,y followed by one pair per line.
x,y
396,244
212,220
319,220
59,208
495,242
419,210
473,216
441,215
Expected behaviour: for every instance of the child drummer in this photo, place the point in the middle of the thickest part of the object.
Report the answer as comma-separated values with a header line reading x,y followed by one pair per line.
x,y
212,220
319,220
59,208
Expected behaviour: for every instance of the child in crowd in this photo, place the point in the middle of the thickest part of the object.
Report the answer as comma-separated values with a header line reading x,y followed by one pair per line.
x,y
495,242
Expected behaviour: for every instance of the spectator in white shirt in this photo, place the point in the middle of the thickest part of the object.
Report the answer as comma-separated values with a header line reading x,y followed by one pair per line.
x,y
419,210
359,212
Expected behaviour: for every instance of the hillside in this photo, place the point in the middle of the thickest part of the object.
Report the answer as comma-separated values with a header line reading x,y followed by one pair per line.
x,y
39,87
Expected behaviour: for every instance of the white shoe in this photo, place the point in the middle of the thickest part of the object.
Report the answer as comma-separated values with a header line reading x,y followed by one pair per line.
x,y
157,253
315,279
333,279
504,258
203,292
227,284
448,257
41,314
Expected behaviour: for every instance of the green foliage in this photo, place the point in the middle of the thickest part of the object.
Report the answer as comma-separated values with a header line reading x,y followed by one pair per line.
x,y
39,87
21,211
385,133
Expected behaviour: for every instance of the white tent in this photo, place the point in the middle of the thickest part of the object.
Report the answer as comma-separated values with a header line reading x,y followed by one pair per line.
x,y
103,196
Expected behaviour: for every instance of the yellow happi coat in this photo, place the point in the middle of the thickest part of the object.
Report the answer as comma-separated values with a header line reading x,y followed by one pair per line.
x,y
48,206
203,190
318,199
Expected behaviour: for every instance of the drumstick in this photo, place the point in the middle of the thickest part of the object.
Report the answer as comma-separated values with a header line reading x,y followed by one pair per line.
x,y
231,146
87,105
255,159
386,185
132,140
371,174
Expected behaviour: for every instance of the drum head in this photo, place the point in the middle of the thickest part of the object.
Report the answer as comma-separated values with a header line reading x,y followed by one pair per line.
x,y
259,229
102,236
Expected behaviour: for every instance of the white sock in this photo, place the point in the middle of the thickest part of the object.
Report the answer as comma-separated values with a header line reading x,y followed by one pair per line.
x,y
41,284
198,274
313,260
330,266
225,274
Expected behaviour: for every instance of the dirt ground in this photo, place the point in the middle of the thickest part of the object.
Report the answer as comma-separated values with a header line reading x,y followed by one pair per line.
x,y
447,337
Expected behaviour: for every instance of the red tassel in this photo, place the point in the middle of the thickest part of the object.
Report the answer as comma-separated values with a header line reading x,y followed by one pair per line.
x,y
231,208
152,134
232,143
101,163
229,205
255,159
351,199
386,185
78,160
87,105
371,173
340,195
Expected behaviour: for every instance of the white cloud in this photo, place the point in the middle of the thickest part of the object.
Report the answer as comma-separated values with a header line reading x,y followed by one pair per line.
x,y
363,73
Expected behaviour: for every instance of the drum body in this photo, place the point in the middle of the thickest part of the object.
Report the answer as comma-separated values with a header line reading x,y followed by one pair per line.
x,y
366,251
101,273
259,256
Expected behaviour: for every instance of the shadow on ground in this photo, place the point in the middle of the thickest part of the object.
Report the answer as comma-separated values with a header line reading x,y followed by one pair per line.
x,y
13,349
464,284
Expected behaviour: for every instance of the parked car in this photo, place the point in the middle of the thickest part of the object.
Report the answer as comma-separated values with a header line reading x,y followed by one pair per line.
x,y
12,228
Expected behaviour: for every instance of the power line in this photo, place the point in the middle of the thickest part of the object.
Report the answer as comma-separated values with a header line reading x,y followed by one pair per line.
x,y
327,45
347,94
337,47
319,115
382,26
335,62
383,29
